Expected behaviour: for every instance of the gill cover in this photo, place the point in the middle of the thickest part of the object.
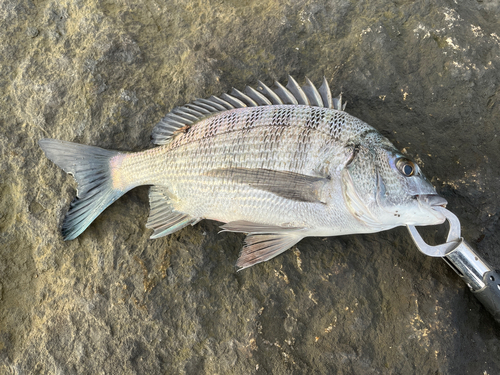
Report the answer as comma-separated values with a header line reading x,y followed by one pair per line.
x,y
360,184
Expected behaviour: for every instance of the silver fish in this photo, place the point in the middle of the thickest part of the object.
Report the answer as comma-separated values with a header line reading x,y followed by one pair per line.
x,y
279,165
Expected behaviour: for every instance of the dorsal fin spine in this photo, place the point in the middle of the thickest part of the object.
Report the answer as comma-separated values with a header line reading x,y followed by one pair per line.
x,y
275,99
259,98
237,103
221,102
312,94
217,107
285,95
209,107
198,108
326,94
244,98
296,91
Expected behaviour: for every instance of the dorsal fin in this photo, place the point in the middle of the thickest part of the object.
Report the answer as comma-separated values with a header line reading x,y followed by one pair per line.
x,y
189,114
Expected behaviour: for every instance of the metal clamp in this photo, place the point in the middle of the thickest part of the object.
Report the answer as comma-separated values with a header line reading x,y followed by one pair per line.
x,y
452,240
482,280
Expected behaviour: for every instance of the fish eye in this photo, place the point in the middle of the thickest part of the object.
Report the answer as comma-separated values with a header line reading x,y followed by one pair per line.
x,y
406,167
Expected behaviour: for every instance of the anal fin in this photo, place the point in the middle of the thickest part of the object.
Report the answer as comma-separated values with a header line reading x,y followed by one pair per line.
x,y
262,247
163,218
263,242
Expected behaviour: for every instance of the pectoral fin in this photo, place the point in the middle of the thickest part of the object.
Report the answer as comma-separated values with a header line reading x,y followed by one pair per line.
x,y
289,185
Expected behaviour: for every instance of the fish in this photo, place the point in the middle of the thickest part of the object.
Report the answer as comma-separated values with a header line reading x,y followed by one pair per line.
x,y
277,164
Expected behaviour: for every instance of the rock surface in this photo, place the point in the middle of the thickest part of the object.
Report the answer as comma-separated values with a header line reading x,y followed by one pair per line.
x,y
426,74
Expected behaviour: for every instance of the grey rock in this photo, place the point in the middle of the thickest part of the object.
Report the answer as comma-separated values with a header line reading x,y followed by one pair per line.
x,y
426,74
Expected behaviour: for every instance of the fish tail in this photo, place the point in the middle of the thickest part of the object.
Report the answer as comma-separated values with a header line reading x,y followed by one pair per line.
x,y
96,171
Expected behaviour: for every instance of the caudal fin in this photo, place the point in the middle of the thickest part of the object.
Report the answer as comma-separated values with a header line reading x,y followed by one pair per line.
x,y
90,166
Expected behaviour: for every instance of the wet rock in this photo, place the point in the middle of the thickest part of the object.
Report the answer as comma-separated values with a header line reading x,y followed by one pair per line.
x,y
426,74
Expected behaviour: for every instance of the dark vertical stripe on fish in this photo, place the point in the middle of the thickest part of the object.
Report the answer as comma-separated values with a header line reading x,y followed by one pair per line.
x,y
234,125
335,126
310,120
232,120
208,139
316,117
267,137
208,127
253,116
274,136
303,145
281,117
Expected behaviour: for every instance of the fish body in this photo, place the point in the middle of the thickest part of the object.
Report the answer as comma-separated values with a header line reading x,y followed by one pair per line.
x,y
279,165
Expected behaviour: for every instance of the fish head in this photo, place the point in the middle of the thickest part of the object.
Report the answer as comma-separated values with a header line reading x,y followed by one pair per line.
x,y
384,188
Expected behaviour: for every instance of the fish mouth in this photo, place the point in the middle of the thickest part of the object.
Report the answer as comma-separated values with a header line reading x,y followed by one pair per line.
x,y
432,200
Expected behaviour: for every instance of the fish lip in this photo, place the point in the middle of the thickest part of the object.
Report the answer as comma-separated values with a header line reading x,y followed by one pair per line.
x,y
429,203
432,200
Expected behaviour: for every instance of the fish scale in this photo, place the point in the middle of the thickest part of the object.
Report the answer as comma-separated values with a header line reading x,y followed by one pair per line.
x,y
278,172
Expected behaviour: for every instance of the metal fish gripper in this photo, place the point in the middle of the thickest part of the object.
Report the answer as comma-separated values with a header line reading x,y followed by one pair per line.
x,y
480,277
